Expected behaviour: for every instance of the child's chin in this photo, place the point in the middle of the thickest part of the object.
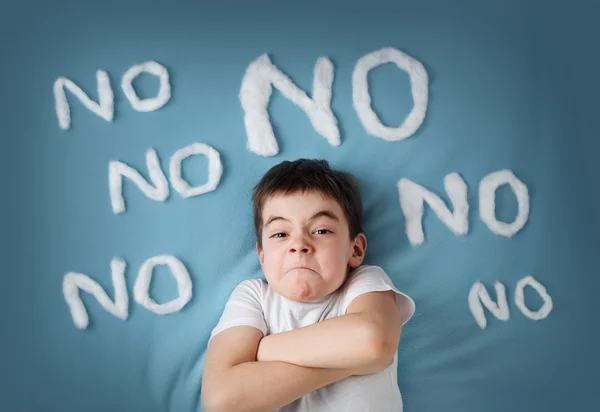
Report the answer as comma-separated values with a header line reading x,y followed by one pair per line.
x,y
302,293
300,296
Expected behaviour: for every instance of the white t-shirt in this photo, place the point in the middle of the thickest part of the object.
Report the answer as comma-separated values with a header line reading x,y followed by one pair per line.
x,y
254,303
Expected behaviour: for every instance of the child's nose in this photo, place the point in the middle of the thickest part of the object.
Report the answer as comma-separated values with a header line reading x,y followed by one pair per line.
x,y
300,245
304,249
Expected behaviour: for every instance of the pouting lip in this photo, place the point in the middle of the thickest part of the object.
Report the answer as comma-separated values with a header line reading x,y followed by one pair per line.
x,y
299,267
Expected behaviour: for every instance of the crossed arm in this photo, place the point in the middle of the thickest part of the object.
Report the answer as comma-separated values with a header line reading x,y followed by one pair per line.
x,y
247,372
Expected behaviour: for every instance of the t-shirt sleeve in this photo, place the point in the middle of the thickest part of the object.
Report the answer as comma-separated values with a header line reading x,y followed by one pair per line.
x,y
243,308
374,279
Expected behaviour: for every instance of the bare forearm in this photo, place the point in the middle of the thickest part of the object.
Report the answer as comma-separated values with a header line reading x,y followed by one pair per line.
x,y
265,386
349,341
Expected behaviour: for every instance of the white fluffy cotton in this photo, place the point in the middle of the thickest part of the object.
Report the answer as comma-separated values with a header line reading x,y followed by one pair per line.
x,y
419,82
413,197
487,202
215,169
546,308
104,108
479,295
159,191
179,272
255,93
153,103
73,282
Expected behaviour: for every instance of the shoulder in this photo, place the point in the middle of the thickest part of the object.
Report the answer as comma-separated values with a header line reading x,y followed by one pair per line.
x,y
244,307
368,270
367,274
366,279
250,288
255,283
247,295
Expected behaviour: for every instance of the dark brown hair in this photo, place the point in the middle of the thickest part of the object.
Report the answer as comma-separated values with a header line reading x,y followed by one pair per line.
x,y
309,175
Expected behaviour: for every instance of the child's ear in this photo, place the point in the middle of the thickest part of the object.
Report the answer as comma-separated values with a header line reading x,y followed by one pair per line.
x,y
359,248
261,254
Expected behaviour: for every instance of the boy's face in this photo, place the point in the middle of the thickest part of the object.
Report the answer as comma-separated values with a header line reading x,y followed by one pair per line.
x,y
306,245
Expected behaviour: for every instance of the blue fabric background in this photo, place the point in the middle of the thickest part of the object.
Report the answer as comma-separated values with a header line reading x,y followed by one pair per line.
x,y
513,85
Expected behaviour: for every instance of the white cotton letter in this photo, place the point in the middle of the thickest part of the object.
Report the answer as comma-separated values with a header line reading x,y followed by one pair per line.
x,y
142,285
116,170
546,308
419,83
104,108
487,202
215,169
72,282
413,196
479,294
256,90
151,104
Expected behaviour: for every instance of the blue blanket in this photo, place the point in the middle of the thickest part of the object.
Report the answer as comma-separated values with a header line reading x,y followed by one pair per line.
x,y
510,87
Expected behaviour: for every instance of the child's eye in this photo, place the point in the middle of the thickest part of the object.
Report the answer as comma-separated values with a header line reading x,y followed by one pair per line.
x,y
277,235
322,231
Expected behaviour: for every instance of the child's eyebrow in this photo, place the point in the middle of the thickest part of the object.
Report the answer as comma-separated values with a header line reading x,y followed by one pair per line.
x,y
322,213
325,213
273,219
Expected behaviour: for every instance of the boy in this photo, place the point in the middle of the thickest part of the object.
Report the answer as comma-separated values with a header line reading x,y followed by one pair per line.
x,y
322,333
